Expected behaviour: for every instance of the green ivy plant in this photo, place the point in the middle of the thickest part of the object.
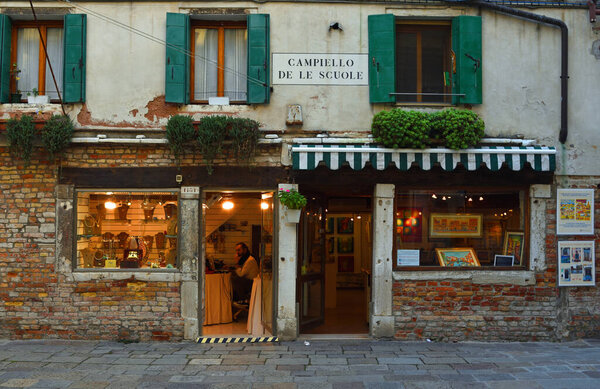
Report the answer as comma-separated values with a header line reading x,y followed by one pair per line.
x,y
460,129
57,134
21,133
398,128
180,131
212,132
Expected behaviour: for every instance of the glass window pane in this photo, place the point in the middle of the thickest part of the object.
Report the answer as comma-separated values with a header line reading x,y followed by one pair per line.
x,y
406,65
28,56
235,63
478,220
205,69
435,62
55,56
126,229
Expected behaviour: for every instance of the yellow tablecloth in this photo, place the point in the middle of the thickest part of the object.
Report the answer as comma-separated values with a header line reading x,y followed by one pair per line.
x,y
217,298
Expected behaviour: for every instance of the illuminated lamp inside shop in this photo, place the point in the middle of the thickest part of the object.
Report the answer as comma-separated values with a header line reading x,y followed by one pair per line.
x,y
227,205
264,205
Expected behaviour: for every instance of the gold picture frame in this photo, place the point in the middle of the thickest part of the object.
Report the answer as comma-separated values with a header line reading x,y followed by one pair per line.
x,y
457,257
455,225
514,244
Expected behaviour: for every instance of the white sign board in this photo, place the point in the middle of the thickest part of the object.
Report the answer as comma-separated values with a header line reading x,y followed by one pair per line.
x,y
190,189
575,212
407,258
576,263
320,69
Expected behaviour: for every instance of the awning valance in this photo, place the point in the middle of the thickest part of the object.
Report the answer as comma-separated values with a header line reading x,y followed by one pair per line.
x,y
308,157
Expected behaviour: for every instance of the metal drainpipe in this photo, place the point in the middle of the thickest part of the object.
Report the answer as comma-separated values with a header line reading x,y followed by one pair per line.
x,y
564,63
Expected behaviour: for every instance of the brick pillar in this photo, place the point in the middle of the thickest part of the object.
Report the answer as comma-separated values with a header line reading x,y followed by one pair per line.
x,y
382,319
188,253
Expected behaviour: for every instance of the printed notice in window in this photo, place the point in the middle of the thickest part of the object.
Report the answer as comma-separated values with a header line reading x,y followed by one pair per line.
x,y
575,212
407,258
320,69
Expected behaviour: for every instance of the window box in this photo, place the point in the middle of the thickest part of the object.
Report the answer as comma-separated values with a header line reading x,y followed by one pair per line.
x,y
39,99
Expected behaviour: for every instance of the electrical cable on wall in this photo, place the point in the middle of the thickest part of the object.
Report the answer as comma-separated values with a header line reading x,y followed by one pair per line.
x,y
163,42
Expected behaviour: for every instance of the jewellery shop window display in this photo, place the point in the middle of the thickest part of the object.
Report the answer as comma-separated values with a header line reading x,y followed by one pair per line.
x,y
127,229
460,229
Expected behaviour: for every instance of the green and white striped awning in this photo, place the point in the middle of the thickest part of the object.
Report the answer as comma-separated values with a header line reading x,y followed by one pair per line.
x,y
308,157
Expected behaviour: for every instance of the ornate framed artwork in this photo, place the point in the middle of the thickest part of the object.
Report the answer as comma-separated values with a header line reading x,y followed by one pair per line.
x,y
345,225
513,245
457,256
454,225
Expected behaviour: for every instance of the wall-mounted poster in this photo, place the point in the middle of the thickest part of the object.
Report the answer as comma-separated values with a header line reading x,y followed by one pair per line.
x,y
454,225
345,225
576,263
409,224
575,212
513,245
346,264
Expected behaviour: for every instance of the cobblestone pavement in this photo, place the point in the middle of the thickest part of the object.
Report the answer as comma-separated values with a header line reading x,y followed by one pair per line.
x,y
321,364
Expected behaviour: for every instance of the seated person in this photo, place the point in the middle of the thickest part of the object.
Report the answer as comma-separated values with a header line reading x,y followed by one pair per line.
x,y
245,270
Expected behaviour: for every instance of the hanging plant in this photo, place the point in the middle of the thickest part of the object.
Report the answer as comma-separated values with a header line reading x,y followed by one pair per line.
x,y
180,131
57,134
212,131
398,128
21,133
244,134
460,129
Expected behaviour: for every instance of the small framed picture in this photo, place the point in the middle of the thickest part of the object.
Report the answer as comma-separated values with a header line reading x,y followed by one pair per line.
x,y
504,260
453,257
345,225
514,245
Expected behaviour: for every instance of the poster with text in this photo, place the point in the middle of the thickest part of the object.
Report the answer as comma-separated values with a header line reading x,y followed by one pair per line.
x,y
575,212
576,263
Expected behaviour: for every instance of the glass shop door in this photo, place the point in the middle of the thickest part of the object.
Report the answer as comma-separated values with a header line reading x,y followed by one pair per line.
x,y
311,265
266,259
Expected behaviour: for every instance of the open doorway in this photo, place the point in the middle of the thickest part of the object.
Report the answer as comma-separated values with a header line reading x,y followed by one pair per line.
x,y
335,266
238,253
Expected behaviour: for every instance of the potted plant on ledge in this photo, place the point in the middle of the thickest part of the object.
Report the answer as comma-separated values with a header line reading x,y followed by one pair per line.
x,y
14,78
294,202
37,98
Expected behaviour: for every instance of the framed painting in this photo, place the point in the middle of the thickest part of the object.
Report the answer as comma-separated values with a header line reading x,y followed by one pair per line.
x,y
345,245
454,225
345,264
513,245
457,257
345,225
409,224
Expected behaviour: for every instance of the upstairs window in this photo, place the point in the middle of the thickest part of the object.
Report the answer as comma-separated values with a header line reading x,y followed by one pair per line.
x,y
219,61
30,57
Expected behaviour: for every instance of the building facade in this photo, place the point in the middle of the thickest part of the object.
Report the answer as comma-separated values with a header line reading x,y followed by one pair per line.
x,y
120,239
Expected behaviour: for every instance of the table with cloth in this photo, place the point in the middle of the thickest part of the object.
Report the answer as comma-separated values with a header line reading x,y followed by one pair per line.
x,y
217,298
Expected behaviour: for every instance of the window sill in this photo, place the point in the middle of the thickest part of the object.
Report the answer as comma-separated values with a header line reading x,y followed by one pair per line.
x,y
516,277
424,105
164,275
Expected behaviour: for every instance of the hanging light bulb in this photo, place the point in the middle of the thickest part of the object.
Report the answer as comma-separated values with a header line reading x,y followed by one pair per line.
x,y
480,198
227,205
433,196
264,205
444,198
358,217
470,199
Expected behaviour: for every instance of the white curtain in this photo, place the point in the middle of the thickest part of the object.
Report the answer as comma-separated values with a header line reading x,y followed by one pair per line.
x,y
54,46
205,69
235,64
28,55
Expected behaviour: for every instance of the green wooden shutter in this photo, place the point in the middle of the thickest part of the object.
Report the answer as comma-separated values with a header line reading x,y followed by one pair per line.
x,y
5,40
466,44
382,58
74,58
259,67
177,76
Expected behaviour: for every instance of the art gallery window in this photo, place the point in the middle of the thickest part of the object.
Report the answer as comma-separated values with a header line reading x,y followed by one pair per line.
x,y
126,229
461,228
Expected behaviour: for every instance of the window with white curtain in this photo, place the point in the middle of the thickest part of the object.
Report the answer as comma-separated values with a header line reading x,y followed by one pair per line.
x,y
31,59
219,61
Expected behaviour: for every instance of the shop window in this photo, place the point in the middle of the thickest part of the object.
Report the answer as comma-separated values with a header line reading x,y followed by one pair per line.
x,y
126,229
219,61
207,58
465,229
26,68
425,61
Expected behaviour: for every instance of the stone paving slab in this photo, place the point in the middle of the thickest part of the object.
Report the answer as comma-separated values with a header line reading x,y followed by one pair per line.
x,y
340,364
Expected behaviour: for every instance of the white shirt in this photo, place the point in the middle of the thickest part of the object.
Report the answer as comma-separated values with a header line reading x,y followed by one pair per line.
x,y
249,270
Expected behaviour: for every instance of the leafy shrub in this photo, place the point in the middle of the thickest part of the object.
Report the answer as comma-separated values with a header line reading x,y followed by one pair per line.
x,y
244,134
401,129
460,129
180,131
212,131
57,134
291,198
21,133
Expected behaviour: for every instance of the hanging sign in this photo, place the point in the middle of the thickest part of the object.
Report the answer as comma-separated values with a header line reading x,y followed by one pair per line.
x,y
576,263
575,212
320,69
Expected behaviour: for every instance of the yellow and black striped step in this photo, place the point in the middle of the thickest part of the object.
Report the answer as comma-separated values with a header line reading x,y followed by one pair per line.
x,y
260,339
